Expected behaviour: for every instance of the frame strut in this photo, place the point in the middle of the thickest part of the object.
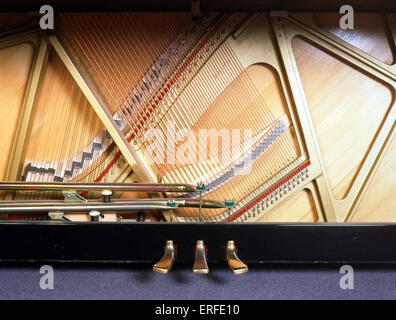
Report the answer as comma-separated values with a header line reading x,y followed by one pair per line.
x,y
341,210
131,155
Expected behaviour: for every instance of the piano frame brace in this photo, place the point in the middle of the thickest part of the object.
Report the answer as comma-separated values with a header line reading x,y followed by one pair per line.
x,y
143,242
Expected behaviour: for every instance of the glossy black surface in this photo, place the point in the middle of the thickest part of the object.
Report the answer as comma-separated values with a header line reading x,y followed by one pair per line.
x,y
143,242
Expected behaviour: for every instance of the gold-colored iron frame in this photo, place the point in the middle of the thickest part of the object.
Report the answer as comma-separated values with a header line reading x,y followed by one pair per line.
x,y
250,44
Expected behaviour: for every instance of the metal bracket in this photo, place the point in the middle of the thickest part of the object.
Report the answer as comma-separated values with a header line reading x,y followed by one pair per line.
x,y
71,196
57,215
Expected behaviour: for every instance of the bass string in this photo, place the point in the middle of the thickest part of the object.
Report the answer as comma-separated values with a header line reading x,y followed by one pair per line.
x,y
141,118
167,110
101,166
66,148
133,53
154,104
181,81
48,107
117,68
56,102
73,112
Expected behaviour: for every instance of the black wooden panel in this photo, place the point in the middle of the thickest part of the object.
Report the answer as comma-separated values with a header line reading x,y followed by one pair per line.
x,y
143,242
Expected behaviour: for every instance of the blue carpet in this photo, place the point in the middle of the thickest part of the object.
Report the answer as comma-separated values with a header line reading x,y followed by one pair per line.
x,y
262,282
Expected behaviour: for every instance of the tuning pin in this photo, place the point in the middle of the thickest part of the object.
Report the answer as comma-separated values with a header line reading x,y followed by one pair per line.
x,y
236,265
200,264
166,262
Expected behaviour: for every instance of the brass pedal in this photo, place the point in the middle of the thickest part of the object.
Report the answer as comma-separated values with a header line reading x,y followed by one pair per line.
x,y
235,264
200,264
166,262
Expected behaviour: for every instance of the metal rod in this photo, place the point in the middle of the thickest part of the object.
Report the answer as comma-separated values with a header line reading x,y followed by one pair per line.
x,y
27,207
62,186
99,206
180,202
200,206
207,204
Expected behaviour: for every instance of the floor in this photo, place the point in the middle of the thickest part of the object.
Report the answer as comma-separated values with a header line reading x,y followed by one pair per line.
x,y
139,282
